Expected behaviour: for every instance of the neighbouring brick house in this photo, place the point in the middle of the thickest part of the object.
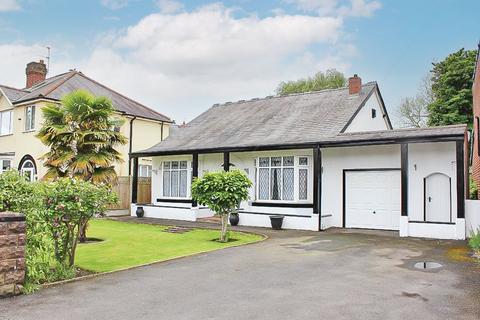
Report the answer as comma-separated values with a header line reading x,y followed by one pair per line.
x,y
476,122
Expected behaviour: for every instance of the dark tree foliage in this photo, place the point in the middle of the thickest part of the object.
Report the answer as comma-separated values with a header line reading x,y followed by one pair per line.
x,y
452,89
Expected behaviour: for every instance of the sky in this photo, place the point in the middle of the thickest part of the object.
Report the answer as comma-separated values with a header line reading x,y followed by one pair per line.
x,y
180,57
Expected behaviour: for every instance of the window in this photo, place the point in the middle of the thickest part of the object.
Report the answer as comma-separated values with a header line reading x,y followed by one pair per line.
x,y
144,170
175,179
28,170
374,113
30,118
5,164
5,122
279,179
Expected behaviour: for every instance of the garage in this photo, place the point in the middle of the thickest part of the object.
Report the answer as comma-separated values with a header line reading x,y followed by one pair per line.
x,y
372,199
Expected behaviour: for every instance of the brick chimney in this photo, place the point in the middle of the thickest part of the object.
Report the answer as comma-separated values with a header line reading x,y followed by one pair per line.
x,y
36,72
354,84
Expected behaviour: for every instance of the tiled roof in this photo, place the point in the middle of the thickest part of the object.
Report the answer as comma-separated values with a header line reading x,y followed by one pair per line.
x,y
280,120
59,85
12,93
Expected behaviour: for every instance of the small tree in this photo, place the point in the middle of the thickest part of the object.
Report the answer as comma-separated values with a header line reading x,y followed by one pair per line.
x,y
69,205
221,192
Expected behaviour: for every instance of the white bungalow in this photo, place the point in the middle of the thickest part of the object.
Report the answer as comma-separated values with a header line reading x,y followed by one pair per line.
x,y
321,159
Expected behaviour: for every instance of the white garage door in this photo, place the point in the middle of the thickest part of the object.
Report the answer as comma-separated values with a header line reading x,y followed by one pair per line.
x,y
372,199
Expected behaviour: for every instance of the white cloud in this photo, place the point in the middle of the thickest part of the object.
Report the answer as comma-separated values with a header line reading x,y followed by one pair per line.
x,y
9,5
114,4
182,63
169,6
15,57
354,8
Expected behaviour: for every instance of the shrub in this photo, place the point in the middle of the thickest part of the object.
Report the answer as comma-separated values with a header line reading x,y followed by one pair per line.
x,y
221,192
473,189
474,243
69,205
19,195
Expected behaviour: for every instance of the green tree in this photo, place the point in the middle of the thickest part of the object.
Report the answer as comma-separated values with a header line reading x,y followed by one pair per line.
x,y
452,89
222,192
81,135
331,79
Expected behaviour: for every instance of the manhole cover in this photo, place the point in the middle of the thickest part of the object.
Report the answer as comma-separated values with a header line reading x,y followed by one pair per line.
x,y
427,265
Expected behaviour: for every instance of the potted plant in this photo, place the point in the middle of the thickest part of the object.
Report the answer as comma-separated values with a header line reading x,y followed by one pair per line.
x,y
276,222
234,218
140,212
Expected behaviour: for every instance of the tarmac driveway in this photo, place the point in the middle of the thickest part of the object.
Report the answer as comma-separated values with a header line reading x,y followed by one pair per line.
x,y
292,275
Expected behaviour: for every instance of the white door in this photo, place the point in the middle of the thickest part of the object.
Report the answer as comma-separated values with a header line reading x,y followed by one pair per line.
x,y
437,198
372,199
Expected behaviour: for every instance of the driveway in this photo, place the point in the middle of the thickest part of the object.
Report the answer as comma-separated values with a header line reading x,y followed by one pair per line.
x,y
292,275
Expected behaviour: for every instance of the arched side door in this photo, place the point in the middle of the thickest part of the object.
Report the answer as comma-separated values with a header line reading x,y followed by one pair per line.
x,y
438,198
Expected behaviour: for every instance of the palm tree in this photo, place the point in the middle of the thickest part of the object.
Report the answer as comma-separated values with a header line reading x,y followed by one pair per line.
x,y
81,135
82,139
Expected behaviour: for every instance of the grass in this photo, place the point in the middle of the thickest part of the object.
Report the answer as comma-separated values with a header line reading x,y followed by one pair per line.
x,y
130,244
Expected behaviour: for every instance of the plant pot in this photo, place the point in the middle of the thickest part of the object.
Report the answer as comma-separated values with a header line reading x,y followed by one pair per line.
x,y
140,212
234,219
276,222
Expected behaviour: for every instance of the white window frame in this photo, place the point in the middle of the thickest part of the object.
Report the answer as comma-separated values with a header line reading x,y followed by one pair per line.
x,y
146,167
30,121
1,164
33,173
296,187
2,114
189,174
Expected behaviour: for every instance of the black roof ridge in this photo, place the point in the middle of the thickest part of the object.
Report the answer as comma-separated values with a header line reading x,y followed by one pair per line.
x,y
290,95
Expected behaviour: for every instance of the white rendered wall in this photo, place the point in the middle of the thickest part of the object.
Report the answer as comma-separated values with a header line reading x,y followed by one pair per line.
x,y
472,216
423,160
363,121
335,160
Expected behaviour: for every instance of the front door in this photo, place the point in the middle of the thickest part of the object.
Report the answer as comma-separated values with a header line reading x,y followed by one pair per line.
x,y
438,198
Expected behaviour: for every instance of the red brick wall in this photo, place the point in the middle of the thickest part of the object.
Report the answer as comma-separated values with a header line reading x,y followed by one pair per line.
x,y
12,253
476,113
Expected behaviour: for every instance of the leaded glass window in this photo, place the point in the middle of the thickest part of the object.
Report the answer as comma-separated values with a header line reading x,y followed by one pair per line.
x,y
175,177
277,179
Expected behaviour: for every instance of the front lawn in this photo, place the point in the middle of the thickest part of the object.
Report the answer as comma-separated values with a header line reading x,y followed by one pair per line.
x,y
130,244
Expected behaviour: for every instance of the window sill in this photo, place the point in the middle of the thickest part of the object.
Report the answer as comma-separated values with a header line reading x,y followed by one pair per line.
x,y
174,200
6,135
283,204
28,131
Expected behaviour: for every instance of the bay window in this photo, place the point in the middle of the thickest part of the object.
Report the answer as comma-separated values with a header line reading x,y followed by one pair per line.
x,y
283,178
175,179
6,122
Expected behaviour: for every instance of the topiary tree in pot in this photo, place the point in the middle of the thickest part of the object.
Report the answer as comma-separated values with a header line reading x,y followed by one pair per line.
x,y
221,192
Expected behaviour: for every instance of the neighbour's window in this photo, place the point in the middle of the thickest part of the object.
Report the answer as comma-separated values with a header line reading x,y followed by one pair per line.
x,y
30,118
5,122
175,179
5,165
279,178
144,170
